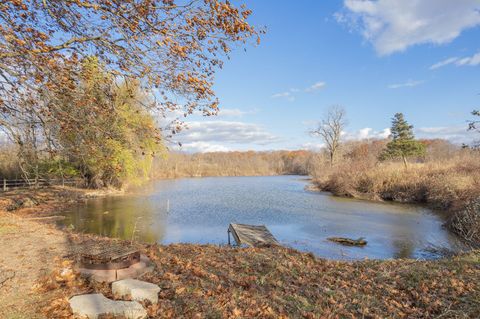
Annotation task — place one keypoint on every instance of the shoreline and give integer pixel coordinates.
(373, 199)
(292, 270)
(227, 175)
(448, 214)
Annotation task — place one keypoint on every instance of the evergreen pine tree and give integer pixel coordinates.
(403, 143)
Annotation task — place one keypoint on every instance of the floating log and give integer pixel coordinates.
(251, 235)
(348, 241)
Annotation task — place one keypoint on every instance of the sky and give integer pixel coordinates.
(373, 58)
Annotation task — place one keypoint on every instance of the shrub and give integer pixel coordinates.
(466, 222)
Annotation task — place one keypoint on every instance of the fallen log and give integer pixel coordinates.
(349, 242)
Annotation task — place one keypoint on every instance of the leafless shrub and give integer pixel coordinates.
(466, 222)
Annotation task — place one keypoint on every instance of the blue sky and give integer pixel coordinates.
(374, 58)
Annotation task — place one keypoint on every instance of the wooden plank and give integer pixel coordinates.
(252, 235)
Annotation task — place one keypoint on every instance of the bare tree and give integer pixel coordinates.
(330, 130)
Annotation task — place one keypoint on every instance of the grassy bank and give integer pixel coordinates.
(220, 282)
(447, 182)
(205, 281)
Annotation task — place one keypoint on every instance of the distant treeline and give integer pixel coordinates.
(175, 164)
(251, 163)
(248, 163)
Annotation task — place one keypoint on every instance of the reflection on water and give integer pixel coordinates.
(199, 211)
(126, 218)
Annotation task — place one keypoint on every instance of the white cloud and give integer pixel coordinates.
(409, 83)
(285, 95)
(231, 112)
(315, 87)
(234, 112)
(168, 118)
(394, 25)
(361, 134)
(454, 134)
(205, 136)
(366, 133)
(312, 146)
(282, 94)
(473, 60)
(443, 63)
(203, 147)
(290, 94)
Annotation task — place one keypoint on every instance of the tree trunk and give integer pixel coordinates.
(405, 163)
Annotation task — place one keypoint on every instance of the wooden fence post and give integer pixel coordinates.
(4, 184)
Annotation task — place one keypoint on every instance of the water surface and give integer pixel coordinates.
(198, 210)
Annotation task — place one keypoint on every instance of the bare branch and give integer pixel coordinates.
(330, 130)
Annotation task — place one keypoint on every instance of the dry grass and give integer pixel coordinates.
(445, 183)
(203, 281)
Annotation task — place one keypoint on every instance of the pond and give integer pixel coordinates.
(199, 210)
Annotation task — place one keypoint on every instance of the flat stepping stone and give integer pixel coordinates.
(94, 306)
(135, 290)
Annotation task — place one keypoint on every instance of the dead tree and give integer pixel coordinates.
(330, 130)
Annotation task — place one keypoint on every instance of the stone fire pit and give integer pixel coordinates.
(110, 263)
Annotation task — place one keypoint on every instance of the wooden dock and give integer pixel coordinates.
(251, 235)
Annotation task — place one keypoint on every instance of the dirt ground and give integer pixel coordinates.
(30, 244)
(28, 251)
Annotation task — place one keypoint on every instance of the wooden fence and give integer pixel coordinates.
(8, 184)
